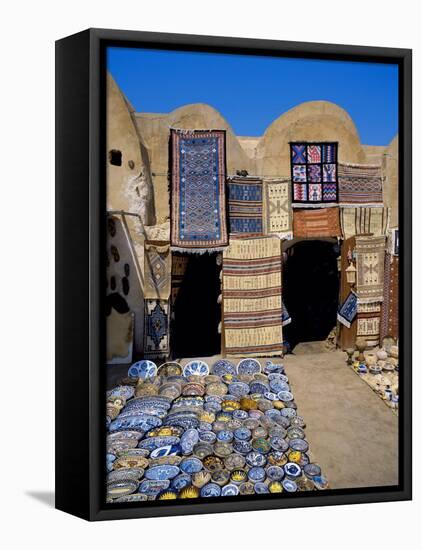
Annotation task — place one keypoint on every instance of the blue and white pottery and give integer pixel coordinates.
(191, 465)
(255, 458)
(299, 445)
(181, 481)
(239, 389)
(159, 473)
(211, 490)
(248, 366)
(279, 444)
(271, 396)
(143, 369)
(207, 436)
(225, 435)
(156, 442)
(197, 368)
(138, 422)
(292, 470)
(189, 439)
(166, 450)
(278, 385)
(261, 488)
(152, 487)
(256, 473)
(289, 485)
(288, 412)
(222, 367)
(240, 414)
(312, 470)
(285, 396)
(121, 392)
(275, 473)
(257, 386)
(242, 447)
(230, 490)
(243, 434)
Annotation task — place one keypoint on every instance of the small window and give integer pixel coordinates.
(115, 157)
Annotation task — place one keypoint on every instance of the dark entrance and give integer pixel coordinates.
(310, 290)
(196, 313)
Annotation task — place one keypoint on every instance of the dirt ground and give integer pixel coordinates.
(351, 433)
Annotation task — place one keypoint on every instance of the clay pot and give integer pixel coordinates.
(382, 354)
(370, 359)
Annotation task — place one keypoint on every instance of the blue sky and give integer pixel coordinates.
(250, 91)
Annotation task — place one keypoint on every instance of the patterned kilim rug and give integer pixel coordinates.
(348, 310)
(370, 253)
(321, 222)
(314, 174)
(359, 221)
(157, 263)
(368, 326)
(245, 205)
(359, 184)
(252, 306)
(390, 306)
(277, 208)
(198, 200)
(156, 328)
(179, 265)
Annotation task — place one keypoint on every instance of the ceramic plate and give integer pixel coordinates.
(222, 367)
(159, 473)
(299, 445)
(248, 366)
(256, 473)
(191, 465)
(142, 422)
(143, 369)
(230, 490)
(120, 488)
(198, 368)
(211, 490)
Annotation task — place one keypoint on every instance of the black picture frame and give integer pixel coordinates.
(80, 267)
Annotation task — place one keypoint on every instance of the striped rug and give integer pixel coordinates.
(245, 205)
(252, 305)
(321, 222)
(359, 184)
(364, 221)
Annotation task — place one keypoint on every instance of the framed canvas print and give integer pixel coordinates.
(233, 274)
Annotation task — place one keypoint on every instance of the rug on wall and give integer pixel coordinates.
(198, 199)
(359, 184)
(390, 305)
(277, 208)
(321, 222)
(369, 327)
(370, 252)
(245, 205)
(361, 220)
(156, 328)
(348, 310)
(314, 174)
(157, 270)
(179, 265)
(252, 304)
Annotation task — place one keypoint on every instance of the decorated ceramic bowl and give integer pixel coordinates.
(248, 366)
(222, 367)
(143, 369)
(198, 368)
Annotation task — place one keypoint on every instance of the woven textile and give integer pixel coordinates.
(179, 265)
(245, 205)
(370, 253)
(277, 208)
(156, 328)
(393, 241)
(157, 263)
(285, 316)
(321, 222)
(198, 207)
(252, 305)
(369, 327)
(314, 174)
(390, 305)
(360, 221)
(348, 310)
(359, 184)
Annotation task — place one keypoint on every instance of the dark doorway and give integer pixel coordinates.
(196, 313)
(310, 290)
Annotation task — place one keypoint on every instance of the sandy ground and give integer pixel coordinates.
(351, 433)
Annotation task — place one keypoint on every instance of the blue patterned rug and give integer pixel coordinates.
(348, 310)
(245, 206)
(198, 201)
(156, 328)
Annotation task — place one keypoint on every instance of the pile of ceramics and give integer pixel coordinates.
(380, 372)
(189, 432)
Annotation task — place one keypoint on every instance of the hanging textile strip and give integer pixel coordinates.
(285, 316)
(277, 208)
(245, 206)
(321, 222)
(156, 328)
(198, 201)
(370, 253)
(157, 263)
(314, 174)
(179, 265)
(359, 184)
(360, 221)
(390, 305)
(369, 327)
(252, 305)
(348, 310)
(393, 241)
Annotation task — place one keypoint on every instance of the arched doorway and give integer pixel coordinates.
(310, 289)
